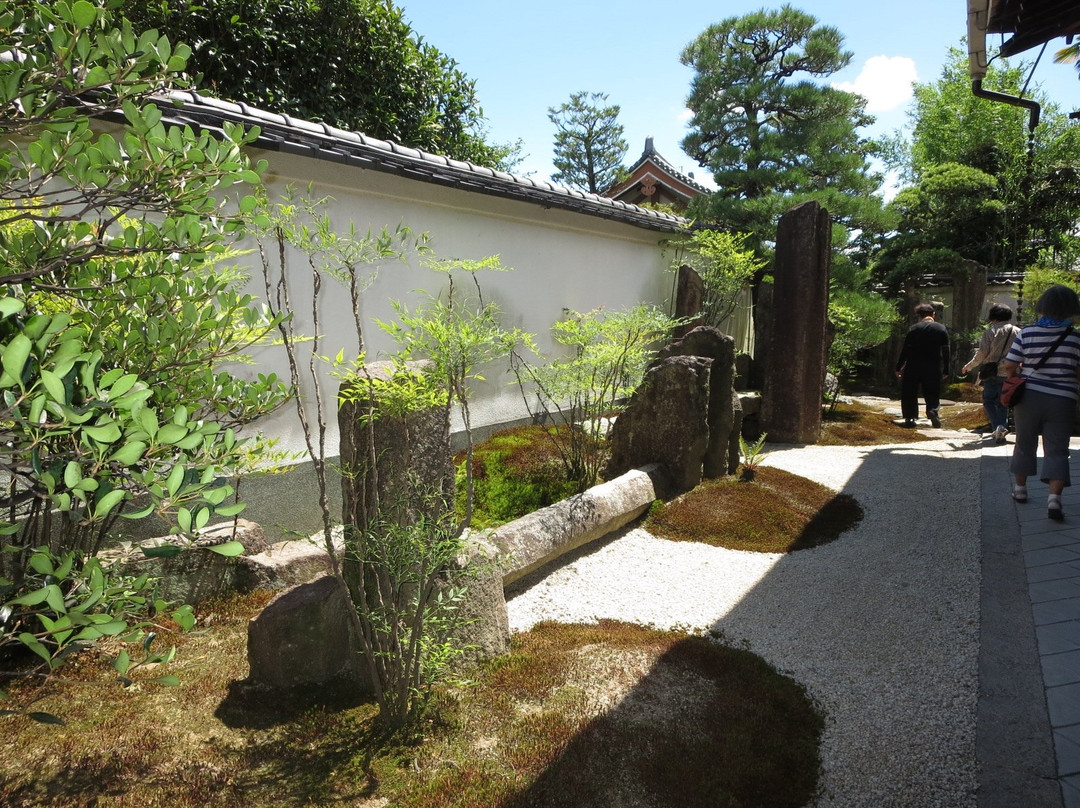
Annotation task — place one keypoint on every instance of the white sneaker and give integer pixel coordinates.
(999, 434)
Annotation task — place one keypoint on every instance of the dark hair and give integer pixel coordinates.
(1000, 313)
(1059, 302)
(924, 310)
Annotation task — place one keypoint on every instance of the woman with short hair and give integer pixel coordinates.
(1048, 407)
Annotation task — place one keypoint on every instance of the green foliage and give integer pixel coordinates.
(396, 568)
(115, 318)
(355, 64)
(407, 610)
(61, 605)
(1040, 278)
(860, 320)
(516, 472)
(769, 131)
(752, 453)
(725, 265)
(589, 144)
(954, 213)
(458, 334)
(1036, 189)
(607, 353)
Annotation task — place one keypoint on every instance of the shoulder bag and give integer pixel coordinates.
(1013, 387)
(988, 370)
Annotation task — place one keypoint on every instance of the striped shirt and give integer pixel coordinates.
(1058, 375)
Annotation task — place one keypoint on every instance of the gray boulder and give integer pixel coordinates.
(666, 423)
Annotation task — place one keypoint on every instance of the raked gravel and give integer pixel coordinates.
(880, 626)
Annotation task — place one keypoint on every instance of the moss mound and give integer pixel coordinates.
(778, 512)
(515, 472)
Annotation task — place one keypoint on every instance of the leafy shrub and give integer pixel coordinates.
(516, 471)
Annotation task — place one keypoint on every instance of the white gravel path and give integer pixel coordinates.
(881, 626)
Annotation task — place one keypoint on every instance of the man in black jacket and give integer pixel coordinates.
(924, 361)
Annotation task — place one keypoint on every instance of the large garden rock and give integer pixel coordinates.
(484, 632)
(396, 468)
(666, 423)
(283, 565)
(798, 338)
(305, 636)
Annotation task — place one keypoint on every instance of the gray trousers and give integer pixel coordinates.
(1052, 417)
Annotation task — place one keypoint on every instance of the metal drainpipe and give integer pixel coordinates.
(1034, 110)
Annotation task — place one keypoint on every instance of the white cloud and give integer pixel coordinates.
(885, 82)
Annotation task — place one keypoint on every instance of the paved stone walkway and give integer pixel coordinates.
(1050, 553)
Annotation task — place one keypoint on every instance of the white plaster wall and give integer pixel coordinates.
(560, 260)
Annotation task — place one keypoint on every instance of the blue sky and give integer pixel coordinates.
(527, 56)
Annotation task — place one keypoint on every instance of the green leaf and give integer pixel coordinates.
(112, 628)
(72, 474)
(175, 479)
(104, 433)
(130, 453)
(231, 510)
(31, 598)
(83, 14)
(55, 598)
(172, 433)
(229, 549)
(54, 385)
(162, 551)
(122, 385)
(31, 642)
(15, 355)
(122, 662)
(106, 504)
(142, 513)
(10, 306)
(41, 563)
(169, 681)
(183, 518)
(149, 422)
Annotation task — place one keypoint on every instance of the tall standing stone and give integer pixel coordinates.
(689, 299)
(795, 365)
(725, 414)
(396, 467)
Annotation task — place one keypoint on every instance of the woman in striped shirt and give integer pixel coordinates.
(1048, 408)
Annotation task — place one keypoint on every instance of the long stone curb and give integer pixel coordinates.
(542, 536)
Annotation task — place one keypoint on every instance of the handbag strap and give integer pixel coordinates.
(1053, 347)
(1006, 343)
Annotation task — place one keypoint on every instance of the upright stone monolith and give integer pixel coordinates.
(689, 299)
(795, 365)
(725, 414)
(397, 468)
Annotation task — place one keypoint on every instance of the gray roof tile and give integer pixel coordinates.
(319, 140)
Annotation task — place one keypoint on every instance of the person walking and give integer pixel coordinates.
(1048, 406)
(923, 362)
(989, 358)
